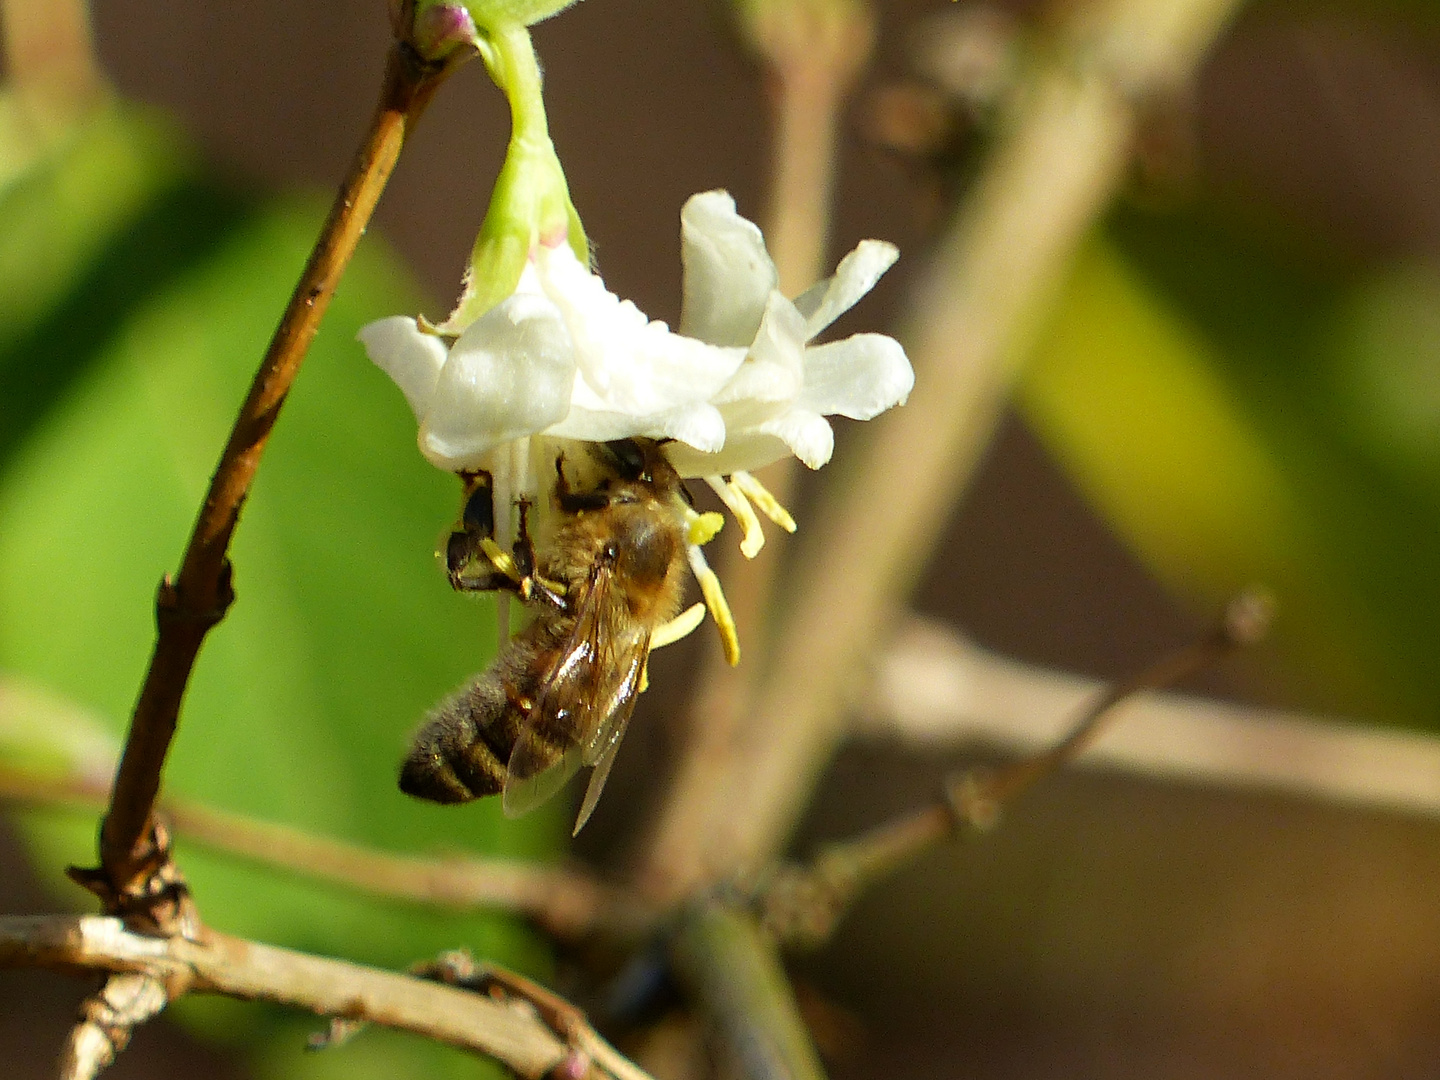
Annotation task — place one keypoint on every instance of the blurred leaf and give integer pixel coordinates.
(1242, 416)
(42, 732)
(345, 630)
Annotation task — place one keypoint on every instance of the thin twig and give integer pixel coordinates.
(1061, 157)
(198, 598)
(250, 971)
(937, 690)
(567, 902)
(802, 904)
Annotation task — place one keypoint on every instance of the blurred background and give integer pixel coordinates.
(1239, 381)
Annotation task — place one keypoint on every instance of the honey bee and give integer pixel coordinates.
(560, 693)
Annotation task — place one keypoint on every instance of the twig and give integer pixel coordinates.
(458, 968)
(567, 902)
(1060, 159)
(106, 1019)
(802, 905)
(250, 971)
(935, 689)
(734, 974)
(197, 599)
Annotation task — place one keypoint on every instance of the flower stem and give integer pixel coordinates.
(531, 201)
(188, 606)
(510, 58)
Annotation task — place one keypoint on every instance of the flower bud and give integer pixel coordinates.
(439, 29)
(496, 13)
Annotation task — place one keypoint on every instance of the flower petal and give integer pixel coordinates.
(699, 426)
(856, 275)
(774, 368)
(859, 377)
(508, 376)
(743, 451)
(628, 363)
(800, 432)
(408, 355)
(728, 273)
(807, 433)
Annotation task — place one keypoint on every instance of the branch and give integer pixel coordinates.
(567, 902)
(508, 1030)
(1062, 156)
(197, 599)
(803, 904)
(933, 688)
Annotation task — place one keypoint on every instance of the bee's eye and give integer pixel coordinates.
(629, 458)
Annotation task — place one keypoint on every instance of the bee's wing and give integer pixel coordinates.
(607, 743)
(585, 703)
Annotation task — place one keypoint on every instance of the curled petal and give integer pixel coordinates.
(728, 272)
(806, 433)
(509, 375)
(408, 355)
(774, 368)
(859, 377)
(856, 275)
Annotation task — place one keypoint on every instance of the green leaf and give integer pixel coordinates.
(345, 630)
(1202, 391)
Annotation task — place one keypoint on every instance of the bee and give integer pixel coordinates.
(560, 693)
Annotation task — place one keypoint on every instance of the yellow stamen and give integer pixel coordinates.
(645, 672)
(715, 601)
(760, 495)
(702, 527)
(681, 626)
(734, 499)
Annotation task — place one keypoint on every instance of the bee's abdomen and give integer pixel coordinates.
(462, 751)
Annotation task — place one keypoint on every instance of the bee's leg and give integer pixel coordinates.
(466, 562)
(531, 585)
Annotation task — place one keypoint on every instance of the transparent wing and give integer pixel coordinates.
(585, 702)
(608, 741)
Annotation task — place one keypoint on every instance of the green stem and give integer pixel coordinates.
(510, 58)
(531, 201)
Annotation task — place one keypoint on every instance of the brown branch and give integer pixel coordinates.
(513, 1033)
(567, 902)
(803, 904)
(107, 1018)
(197, 599)
(1062, 155)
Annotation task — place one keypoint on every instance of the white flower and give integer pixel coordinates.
(737, 388)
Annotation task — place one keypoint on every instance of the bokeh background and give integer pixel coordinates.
(1264, 299)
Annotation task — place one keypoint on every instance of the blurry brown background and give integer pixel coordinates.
(1112, 926)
